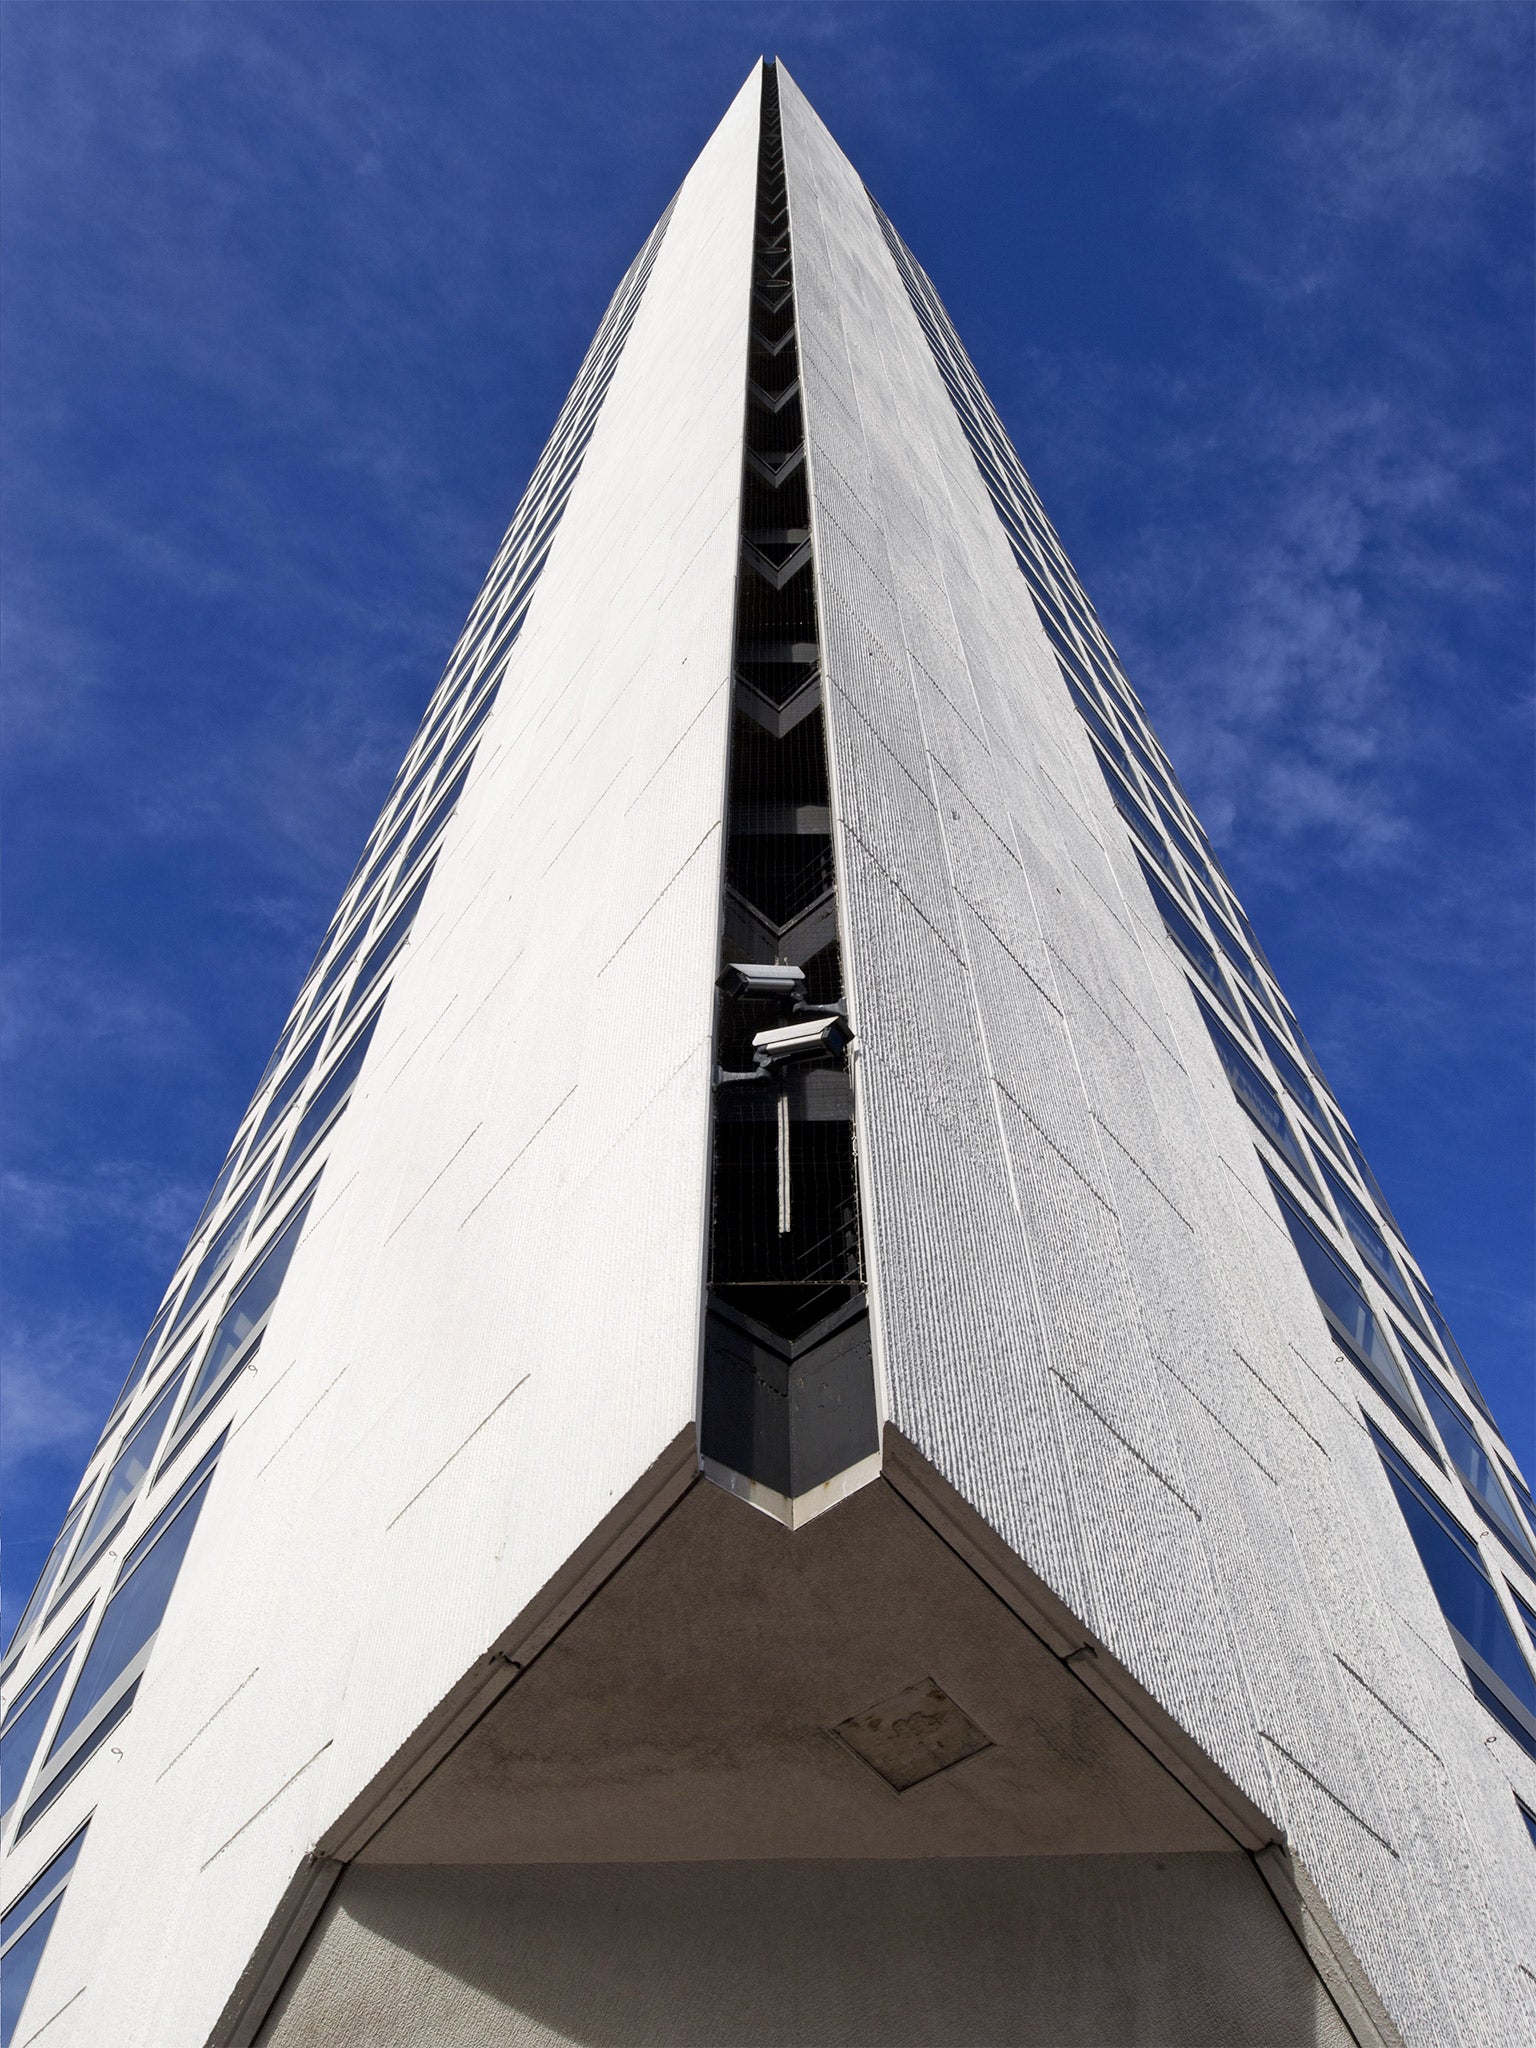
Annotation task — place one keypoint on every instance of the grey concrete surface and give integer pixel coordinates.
(1184, 1951)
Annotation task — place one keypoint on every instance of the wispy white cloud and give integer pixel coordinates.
(1357, 119)
(1271, 594)
(126, 1203)
(61, 1372)
(69, 1009)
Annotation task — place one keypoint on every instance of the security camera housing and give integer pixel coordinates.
(813, 1038)
(777, 981)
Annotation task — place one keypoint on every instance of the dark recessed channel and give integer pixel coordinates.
(788, 1401)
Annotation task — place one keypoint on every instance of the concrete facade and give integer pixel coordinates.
(478, 1714)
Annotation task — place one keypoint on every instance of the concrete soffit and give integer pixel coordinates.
(648, 1519)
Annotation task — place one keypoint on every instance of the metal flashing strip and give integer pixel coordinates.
(794, 1511)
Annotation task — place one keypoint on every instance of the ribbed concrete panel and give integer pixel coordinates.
(491, 1329)
(827, 210)
(1094, 1203)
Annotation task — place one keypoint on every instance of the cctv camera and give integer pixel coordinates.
(778, 982)
(814, 1038)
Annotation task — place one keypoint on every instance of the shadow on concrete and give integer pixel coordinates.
(1185, 1951)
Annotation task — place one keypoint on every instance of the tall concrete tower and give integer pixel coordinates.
(795, 1418)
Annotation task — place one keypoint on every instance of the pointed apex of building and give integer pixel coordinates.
(794, 1397)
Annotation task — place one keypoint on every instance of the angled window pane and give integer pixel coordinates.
(1370, 1244)
(466, 734)
(1466, 1596)
(1529, 1818)
(1520, 1490)
(1362, 1167)
(141, 1363)
(76, 1762)
(192, 1419)
(423, 769)
(1453, 1352)
(216, 1259)
(1137, 818)
(285, 1038)
(42, 1888)
(1470, 1459)
(1298, 1036)
(1186, 846)
(1187, 936)
(293, 1080)
(1156, 770)
(1237, 953)
(136, 1607)
(174, 1505)
(1292, 1073)
(129, 1470)
(338, 918)
(343, 959)
(28, 1719)
(1097, 725)
(442, 809)
(1346, 1307)
(483, 696)
(327, 1100)
(248, 1308)
(1248, 932)
(388, 943)
(48, 1577)
(19, 1967)
(1255, 1094)
(1511, 1718)
(489, 686)
(388, 851)
(225, 1175)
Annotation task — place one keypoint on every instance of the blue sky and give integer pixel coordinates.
(292, 295)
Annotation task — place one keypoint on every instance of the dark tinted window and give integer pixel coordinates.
(1136, 818)
(1470, 1459)
(328, 1098)
(1346, 1307)
(1467, 1600)
(225, 1243)
(24, 1931)
(1187, 936)
(1255, 1094)
(48, 1577)
(138, 1602)
(288, 1087)
(247, 1308)
(387, 945)
(1370, 1243)
(29, 1716)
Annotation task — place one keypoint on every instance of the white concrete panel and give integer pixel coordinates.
(1227, 1528)
(492, 1329)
